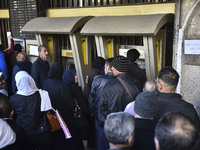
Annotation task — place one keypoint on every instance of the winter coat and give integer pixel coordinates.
(93, 72)
(173, 102)
(96, 91)
(114, 97)
(29, 116)
(61, 99)
(144, 135)
(137, 72)
(39, 71)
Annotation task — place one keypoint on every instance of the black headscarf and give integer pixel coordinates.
(56, 71)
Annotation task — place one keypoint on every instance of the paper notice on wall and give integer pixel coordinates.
(192, 47)
(33, 50)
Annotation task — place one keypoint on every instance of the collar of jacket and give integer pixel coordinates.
(109, 73)
(146, 124)
(169, 95)
(122, 74)
(133, 64)
(41, 60)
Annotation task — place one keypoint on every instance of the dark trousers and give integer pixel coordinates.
(42, 141)
(102, 142)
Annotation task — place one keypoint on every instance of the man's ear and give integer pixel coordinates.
(159, 86)
(157, 144)
(130, 140)
(136, 60)
(12, 112)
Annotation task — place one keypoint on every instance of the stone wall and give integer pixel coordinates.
(190, 81)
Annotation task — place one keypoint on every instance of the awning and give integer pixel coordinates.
(126, 25)
(62, 25)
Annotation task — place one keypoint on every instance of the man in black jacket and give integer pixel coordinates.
(40, 67)
(133, 69)
(115, 97)
(168, 100)
(94, 96)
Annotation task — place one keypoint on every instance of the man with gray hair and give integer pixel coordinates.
(119, 130)
(149, 86)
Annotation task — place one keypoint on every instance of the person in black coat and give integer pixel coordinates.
(96, 69)
(70, 78)
(133, 69)
(114, 96)
(97, 65)
(145, 111)
(30, 106)
(168, 100)
(62, 100)
(22, 65)
(40, 68)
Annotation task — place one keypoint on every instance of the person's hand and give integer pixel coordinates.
(10, 37)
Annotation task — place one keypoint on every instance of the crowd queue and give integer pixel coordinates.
(119, 109)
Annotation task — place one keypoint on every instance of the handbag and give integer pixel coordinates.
(53, 121)
(80, 119)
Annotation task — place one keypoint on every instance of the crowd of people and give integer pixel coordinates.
(119, 109)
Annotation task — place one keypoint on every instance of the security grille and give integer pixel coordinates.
(22, 11)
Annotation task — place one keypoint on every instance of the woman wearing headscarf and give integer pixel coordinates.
(70, 78)
(30, 106)
(62, 100)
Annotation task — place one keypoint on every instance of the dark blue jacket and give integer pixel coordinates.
(3, 66)
(21, 66)
(96, 91)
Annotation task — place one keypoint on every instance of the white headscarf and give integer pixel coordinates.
(26, 86)
(7, 135)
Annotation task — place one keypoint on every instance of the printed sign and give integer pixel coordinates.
(33, 50)
(192, 47)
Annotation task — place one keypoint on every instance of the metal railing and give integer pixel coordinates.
(95, 3)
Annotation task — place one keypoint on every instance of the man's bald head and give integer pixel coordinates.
(21, 56)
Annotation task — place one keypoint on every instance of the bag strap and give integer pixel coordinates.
(125, 87)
